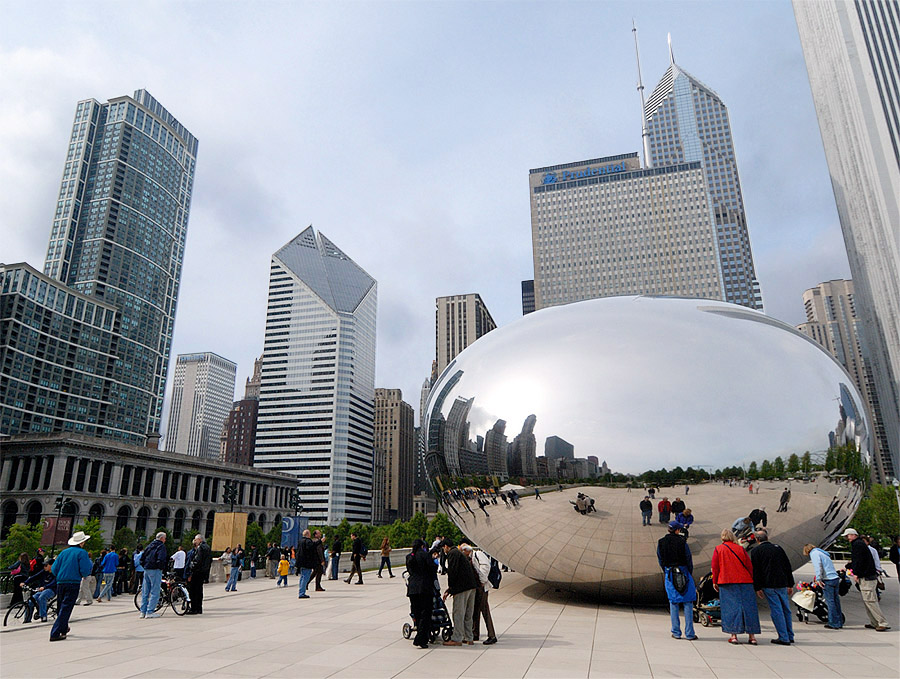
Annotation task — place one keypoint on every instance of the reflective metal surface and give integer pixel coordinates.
(643, 383)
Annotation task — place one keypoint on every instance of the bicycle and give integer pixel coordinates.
(171, 592)
(16, 615)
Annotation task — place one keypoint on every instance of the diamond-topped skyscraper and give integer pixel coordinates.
(688, 122)
(118, 235)
(316, 400)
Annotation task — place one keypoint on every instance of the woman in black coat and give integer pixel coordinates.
(420, 589)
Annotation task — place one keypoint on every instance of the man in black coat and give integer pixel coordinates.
(678, 506)
(773, 578)
(461, 583)
(758, 517)
(201, 560)
(420, 589)
(306, 562)
(319, 541)
(863, 567)
(356, 556)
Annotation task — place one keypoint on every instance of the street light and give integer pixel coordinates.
(295, 502)
(897, 491)
(230, 493)
(60, 501)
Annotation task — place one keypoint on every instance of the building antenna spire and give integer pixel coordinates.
(645, 134)
(671, 53)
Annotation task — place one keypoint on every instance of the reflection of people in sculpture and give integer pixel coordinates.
(537, 493)
(664, 507)
(741, 527)
(685, 519)
(646, 510)
(678, 506)
(785, 499)
(758, 517)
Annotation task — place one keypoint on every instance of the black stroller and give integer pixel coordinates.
(440, 617)
(820, 605)
(706, 607)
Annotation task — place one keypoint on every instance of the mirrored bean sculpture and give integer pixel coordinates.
(632, 384)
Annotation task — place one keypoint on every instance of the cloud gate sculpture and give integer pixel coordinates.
(643, 383)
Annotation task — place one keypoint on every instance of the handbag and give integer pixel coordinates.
(805, 599)
(880, 584)
(679, 579)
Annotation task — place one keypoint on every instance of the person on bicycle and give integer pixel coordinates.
(44, 585)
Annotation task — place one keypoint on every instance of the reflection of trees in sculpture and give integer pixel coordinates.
(495, 446)
(521, 458)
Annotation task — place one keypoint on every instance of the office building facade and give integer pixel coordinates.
(202, 395)
(832, 321)
(606, 227)
(687, 122)
(459, 321)
(527, 297)
(118, 235)
(853, 62)
(239, 432)
(316, 400)
(395, 434)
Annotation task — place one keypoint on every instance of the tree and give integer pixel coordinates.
(255, 537)
(752, 471)
(274, 535)
(877, 513)
(418, 526)
(765, 471)
(778, 467)
(806, 462)
(124, 537)
(92, 528)
(21, 538)
(793, 465)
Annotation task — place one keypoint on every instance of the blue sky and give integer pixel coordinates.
(404, 131)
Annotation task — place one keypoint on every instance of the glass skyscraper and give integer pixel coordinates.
(316, 399)
(118, 236)
(688, 122)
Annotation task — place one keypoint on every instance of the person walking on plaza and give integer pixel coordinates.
(862, 566)
(319, 570)
(70, 567)
(137, 576)
(86, 590)
(284, 567)
(783, 502)
(420, 586)
(198, 573)
(461, 584)
(385, 556)
(97, 572)
(646, 510)
(153, 559)
(356, 555)
(674, 557)
(894, 554)
(482, 564)
(826, 573)
(732, 573)
(665, 509)
(306, 559)
(44, 584)
(337, 546)
(273, 556)
(773, 578)
(254, 558)
(235, 561)
(109, 566)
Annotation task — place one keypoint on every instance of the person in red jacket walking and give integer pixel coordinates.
(733, 579)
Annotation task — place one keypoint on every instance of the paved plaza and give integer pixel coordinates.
(351, 631)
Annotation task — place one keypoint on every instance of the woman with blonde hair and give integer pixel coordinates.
(733, 579)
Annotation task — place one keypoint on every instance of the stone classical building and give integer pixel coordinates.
(127, 485)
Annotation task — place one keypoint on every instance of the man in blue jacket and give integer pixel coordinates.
(70, 566)
(154, 558)
(108, 566)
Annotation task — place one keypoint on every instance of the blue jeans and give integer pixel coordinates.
(67, 593)
(150, 587)
(688, 619)
(106, 591)
(42, 599)
(833, 601)
(646, 517)
(305, 575)
(282, 580)
(252, 569)
(335, 563)
(231, 585)
(780, 609)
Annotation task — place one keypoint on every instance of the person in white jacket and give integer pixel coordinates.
(482, 564)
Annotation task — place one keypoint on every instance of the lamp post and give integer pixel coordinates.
(896, 485)
(295, 502)
(230, 493)
(60, 501)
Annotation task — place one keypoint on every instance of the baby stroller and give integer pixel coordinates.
(706, 607)
(440, 617)
(818, 606)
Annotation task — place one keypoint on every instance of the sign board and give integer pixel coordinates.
(292, 528)
(56, 532)
(229, 530)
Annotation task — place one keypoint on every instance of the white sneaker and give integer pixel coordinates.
(143, 615)
(153, 615)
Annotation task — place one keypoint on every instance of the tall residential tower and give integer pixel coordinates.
(316, 398)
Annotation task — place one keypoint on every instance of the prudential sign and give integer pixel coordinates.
(566, 175)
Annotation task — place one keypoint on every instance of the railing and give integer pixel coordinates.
(6, 582)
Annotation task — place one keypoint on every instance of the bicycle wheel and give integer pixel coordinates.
(163, 599)
(15, 615)
(180, 600)
(137, 599)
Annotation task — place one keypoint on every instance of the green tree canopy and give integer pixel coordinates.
(92, 528)
(753, 470)
(877, 514)
(124, 537)
(778, 467)
(21, 538)
(793, 465)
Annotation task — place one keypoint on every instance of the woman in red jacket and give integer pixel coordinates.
(733, 579)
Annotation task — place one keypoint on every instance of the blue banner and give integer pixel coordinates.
(292, 528)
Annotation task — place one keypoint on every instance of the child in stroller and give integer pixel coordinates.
(706, 607)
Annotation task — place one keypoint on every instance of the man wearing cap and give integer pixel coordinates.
(70, 566)
(672, 552)
(863, 567)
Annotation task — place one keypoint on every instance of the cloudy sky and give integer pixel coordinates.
(404, 132)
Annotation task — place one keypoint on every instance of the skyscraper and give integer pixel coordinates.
(239, 432)
(832, 321)
(394, 433)
(527, 297)
(606, 227)
(118, 235)
(202, 394)
(853, 62)
(459, 321)
(688, 122)
(316, 399)
(495, 449)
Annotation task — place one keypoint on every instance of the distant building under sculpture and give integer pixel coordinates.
(521, 455)
(316, 400)
(852, 52)
(527, 297)
(459, 321)
(556, 448)
(202, 395)
(495, 449)
(831, 320)
(395, 434)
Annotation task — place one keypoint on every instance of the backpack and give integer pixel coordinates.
(494, 576)
(364, 551)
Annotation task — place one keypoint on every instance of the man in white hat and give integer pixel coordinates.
(863, 567)
(69, 568)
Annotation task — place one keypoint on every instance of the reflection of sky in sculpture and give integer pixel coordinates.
(647, 382)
